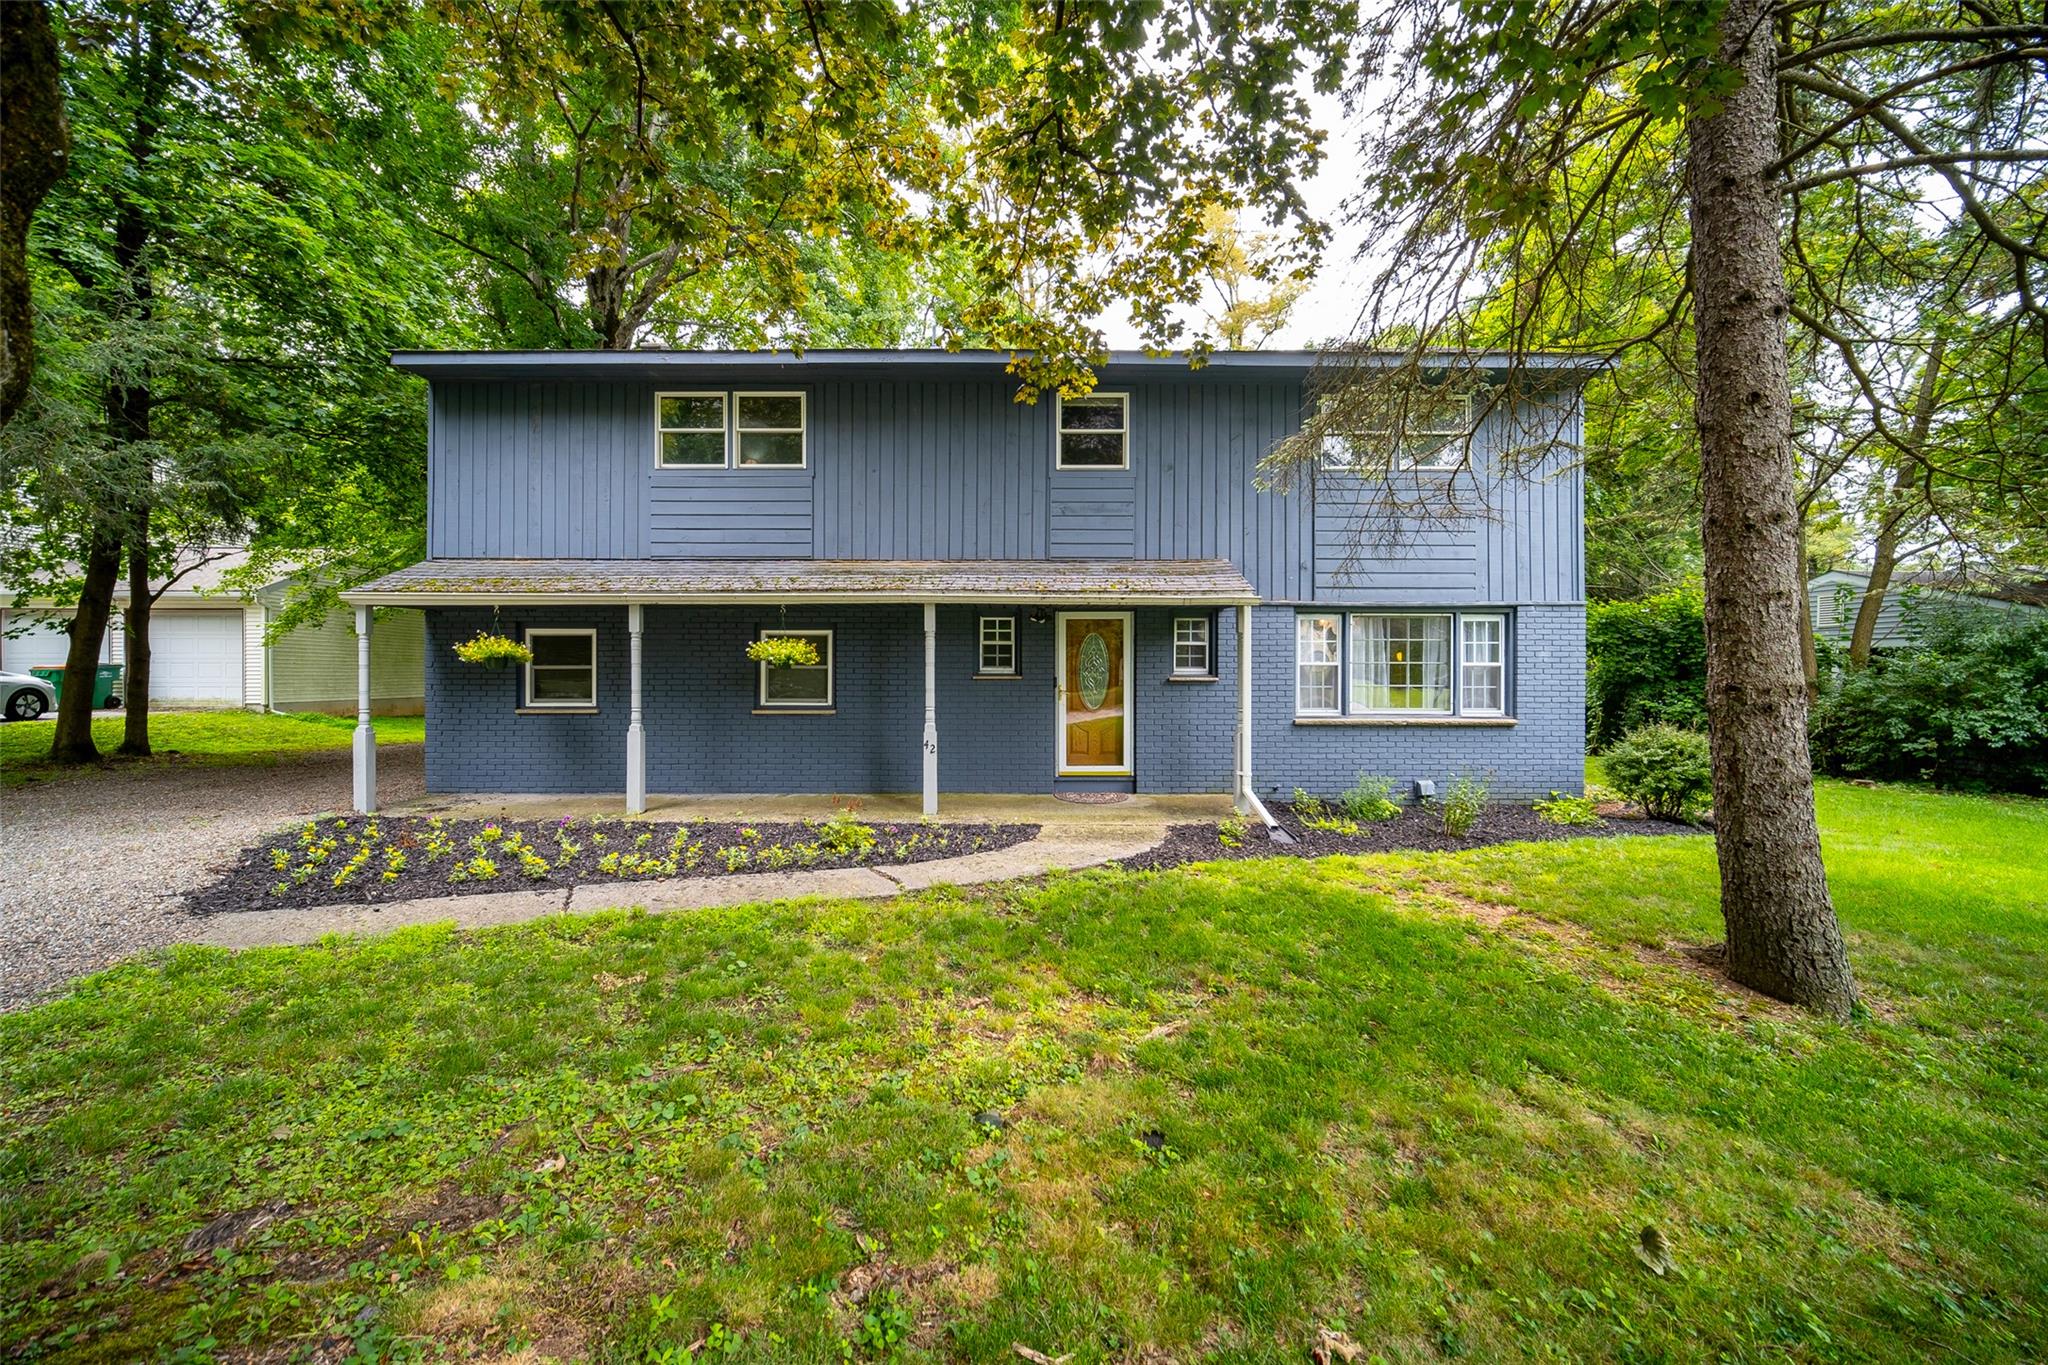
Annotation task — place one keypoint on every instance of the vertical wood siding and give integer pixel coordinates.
(952, 468)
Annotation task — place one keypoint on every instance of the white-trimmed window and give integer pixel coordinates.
(1482, 665)
(1401, 664)
(998, 646)
(1437, 433)
(563, 671)
(1191, 656)
(690, 430)
(1094, 432)
(768, 429)
(806, 686)
(1318, 662)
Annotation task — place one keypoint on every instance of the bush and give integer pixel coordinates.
(1646, 663)
(1370, 799)
(1463, 805)
(1966, 707)
(1313, 814)
(1559, 809)
(844, 835)
(1663, 769)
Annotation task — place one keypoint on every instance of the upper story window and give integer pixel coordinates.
(716, 429)
(1436, 425)
(692, 430)
(770, 427)
(1095, 432)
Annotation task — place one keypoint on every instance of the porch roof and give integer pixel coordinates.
(715, 582)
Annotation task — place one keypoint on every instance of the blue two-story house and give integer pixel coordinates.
(1001, 597)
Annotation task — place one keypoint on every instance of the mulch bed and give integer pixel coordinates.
(1414, 830)
(414, 856)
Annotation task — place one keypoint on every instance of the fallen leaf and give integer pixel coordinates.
(1039, 1357)
(1334, 1346)
(551, 1165)
(1653, 1251)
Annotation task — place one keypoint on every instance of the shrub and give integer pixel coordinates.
(1663, 769)
(1559, 809)
(1463, 805)
(1370, 799)
(844, 835)
(1966, 707)
(1646, 662)
(1232, 830)
(1313, 814)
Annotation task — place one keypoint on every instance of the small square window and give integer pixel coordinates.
(998, 645)
(804, 686)
(563, 671)
(1094, 432)
(690, 430)
(769, 428)
(1191, 647)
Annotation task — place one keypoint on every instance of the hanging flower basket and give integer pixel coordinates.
(784, 651)
(493, 651)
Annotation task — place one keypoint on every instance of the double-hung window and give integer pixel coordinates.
(717, 429)
(801, 686)
(563, 671)
(1318, 664)
(1094, 432)
(1482, 665)
(998, 646)
(1401, 663)
(769, 428)
(690, 430)
(1191, 658)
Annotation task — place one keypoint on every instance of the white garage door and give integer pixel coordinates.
(42, 645)
(195, 656)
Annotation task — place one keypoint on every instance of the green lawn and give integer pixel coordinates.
(219, 737)
(1427, 1101)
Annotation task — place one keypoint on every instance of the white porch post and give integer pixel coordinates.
(931, 708)
(1243, 784)
(636, 735)
(366, 738)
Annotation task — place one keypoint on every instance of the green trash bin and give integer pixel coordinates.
(106, 684)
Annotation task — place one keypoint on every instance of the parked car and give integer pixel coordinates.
(28, 697)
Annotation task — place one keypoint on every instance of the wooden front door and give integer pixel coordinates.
(1094, 692)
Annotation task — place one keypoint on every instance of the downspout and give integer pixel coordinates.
(1248, 799)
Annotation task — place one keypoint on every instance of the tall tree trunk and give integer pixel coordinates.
(1783, 938)
(1809, 655)
(35, 144)
(1884, 557)
(72, 740)
(135, 720)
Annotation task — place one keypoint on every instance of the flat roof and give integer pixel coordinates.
(655, 364)
(733, 582)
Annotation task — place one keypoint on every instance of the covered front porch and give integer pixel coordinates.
(939, 677)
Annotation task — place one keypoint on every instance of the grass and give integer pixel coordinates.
(204, 737)
(1426, 1101)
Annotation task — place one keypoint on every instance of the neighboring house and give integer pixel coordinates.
(1004, 597)
(1835, 596)
(207, 648)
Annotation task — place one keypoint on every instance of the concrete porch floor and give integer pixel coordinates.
(1031, 808)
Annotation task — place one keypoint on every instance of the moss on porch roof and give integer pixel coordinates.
(1159, 581)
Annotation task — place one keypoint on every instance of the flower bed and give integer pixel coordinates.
(367, 859)
(1416, 830)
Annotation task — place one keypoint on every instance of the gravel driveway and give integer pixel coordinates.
(91, 867)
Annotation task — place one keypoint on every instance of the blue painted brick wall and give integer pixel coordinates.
(698, 698)
(1543, 751)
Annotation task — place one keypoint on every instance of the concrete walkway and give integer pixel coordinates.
(1069, 837)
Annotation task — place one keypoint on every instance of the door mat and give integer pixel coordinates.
(1092, 798)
